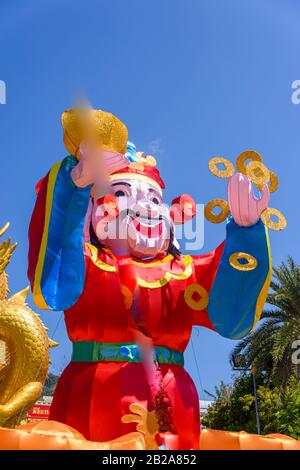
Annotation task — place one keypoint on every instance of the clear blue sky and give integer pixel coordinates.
(191, 78)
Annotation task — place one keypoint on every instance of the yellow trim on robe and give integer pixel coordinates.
(187, 260)
(264, 291)
(109, 267)
(143, 264)
(100, 264)
(37, 293)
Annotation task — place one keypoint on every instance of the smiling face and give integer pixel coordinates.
(143, 226)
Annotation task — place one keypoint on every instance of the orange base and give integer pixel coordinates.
(52, 435)
(224, 440)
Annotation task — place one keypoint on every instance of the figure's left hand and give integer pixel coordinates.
(244, 206)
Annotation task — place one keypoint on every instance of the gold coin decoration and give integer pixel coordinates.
(247, 155)
(274, 182)
(271, 224)
(196, 297)
(228, 170)
(216, 218)
(236, 258)
(258, 173)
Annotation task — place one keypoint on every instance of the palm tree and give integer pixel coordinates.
(270, 348)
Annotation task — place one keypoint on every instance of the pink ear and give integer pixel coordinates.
(183, 209)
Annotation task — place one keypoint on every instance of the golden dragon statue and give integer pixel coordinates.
(24, 348)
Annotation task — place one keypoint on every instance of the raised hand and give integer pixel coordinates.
(95, 166)
(244, 206)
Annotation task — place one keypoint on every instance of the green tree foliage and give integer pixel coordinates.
(271, 346)
(49, 385)
(288, 417)
(234, 407)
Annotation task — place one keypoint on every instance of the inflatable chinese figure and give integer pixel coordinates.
(103, 250)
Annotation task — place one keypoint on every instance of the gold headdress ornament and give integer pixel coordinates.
(98, 126)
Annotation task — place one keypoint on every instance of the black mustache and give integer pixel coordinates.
(137, 214)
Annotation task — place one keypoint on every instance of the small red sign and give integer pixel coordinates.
(38, 412)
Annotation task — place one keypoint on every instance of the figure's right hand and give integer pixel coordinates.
(95, 166)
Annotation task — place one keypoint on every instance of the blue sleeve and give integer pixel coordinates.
(238, 293)
(57, 262)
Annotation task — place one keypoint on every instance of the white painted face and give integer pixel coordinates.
(143, 226)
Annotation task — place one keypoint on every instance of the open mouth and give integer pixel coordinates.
(148, 230)
(147, 225)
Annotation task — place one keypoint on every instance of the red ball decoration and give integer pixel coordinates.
(183, 209)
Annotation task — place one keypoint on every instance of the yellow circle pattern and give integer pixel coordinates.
(247, 155)
(274, 182)
(226, 173)
(199, 290)
(266, 218)
(208, 211)
(235, 259)
(258, 173)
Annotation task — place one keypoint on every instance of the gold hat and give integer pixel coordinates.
(103, 128)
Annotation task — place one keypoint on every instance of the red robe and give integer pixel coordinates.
(93, 397)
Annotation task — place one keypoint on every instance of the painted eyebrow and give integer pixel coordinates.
(121, 182)
(151, 190)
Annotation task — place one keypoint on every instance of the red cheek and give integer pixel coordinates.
(183, 209)
(109, 205)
